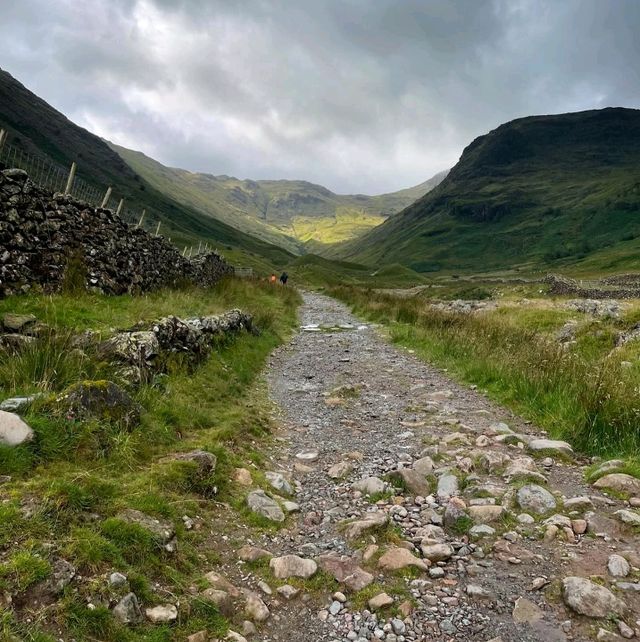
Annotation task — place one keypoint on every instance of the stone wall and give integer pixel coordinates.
(44, 237)
(562, 285)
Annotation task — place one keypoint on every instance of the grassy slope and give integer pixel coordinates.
(539, 191)
(288, 213)
(215, 406)
(39, 129)
(584, 395)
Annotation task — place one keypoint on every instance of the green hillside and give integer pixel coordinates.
(37, 128)
(288, 213)
(536, 192)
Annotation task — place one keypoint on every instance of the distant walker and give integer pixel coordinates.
(284, 277)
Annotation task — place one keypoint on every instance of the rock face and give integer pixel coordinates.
(41, 234)
(592, 600)
(13, 431)
(259, 502)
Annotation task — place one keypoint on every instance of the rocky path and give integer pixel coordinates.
(421, 511)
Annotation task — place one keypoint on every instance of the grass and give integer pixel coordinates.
(74, 502)
(583, 396)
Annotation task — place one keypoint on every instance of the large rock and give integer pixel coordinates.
(279, 482)
(550, 447)
(620, 482)
(345, 570)
(535, 499)
(102, 400)
(205, 460)
(254, 608)
(17, 322)
(592, 600)
(395, 559)
(14, 431)
(163, 531)
(618, 566)
(369, 485)
(412, 480)
(486, 514)
(259, 502)
(371, 521)
(447, 486)
(424, 466)
(127, 611)
(292, 566)
(629, 517)
(162, 614)
(437, 552)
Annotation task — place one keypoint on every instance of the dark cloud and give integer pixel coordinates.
(357, 95)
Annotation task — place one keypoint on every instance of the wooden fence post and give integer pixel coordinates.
(120, 206)
(106, 198)
(141, 218)
(3, 138)
(72, 175)
(158, 229)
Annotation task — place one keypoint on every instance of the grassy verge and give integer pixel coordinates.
(584, 395)
(72, 481)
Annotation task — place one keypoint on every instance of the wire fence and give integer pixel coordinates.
(54, 177)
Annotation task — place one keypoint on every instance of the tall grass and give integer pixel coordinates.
(591, 402)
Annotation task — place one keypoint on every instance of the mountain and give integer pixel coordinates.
(535, 192)
(38, 129)
(285, 212)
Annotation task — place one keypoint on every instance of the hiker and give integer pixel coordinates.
(283, 278)
(273, 278)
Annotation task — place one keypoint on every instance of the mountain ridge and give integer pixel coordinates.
(536, 191)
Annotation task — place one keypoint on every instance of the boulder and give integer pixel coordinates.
(618, 566)
(205, 460)
(447, 486)
(259, 502)
(371, 521)
(550, 447)
(369, 485)
(590, 599)
(292, 566)
(278, 482)
(629, 517)
(127, 611)
(395, 559)
(620, 482)
(252, 553)
(424, 466)
(437, 552)
(535, 499)
(486, 514)
(17, 322)
(102, 400)
(163, 531)
(340, 470)
(13, 430)
(345, 570)
(380, 601)
(162, 614)
(255, 608)
(412, 480)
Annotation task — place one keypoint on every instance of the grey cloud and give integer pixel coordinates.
(357, 95)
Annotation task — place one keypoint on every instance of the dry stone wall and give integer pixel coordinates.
(41, 234)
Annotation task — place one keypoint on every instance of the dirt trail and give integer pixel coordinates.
(467, 506)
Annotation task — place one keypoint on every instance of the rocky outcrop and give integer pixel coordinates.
(45, 237)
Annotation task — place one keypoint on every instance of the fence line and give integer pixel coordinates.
(56, 178)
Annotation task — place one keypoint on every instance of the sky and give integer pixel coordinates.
(362, 96)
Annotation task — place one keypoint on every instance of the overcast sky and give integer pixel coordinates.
(358, 95)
